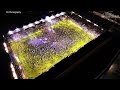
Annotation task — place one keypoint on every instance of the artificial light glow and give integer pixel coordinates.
(80, 16)
(52, 17)
(88, 20)
(57, 15)
(17, 29)
(42, 20)
(36, 22)
(95, 24)
(25, 27)
(102, 16)
(31, 25)
(10, 32)
(5, 46)
(13, 71)
(62, 13)
(112, 67)
(72, 12)
(47, 18)
(17, 59)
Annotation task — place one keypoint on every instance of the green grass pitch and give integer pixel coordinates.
(66, 39)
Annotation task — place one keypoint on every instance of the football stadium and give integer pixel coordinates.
(37, 47)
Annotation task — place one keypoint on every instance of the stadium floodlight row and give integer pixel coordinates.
(47, 18)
